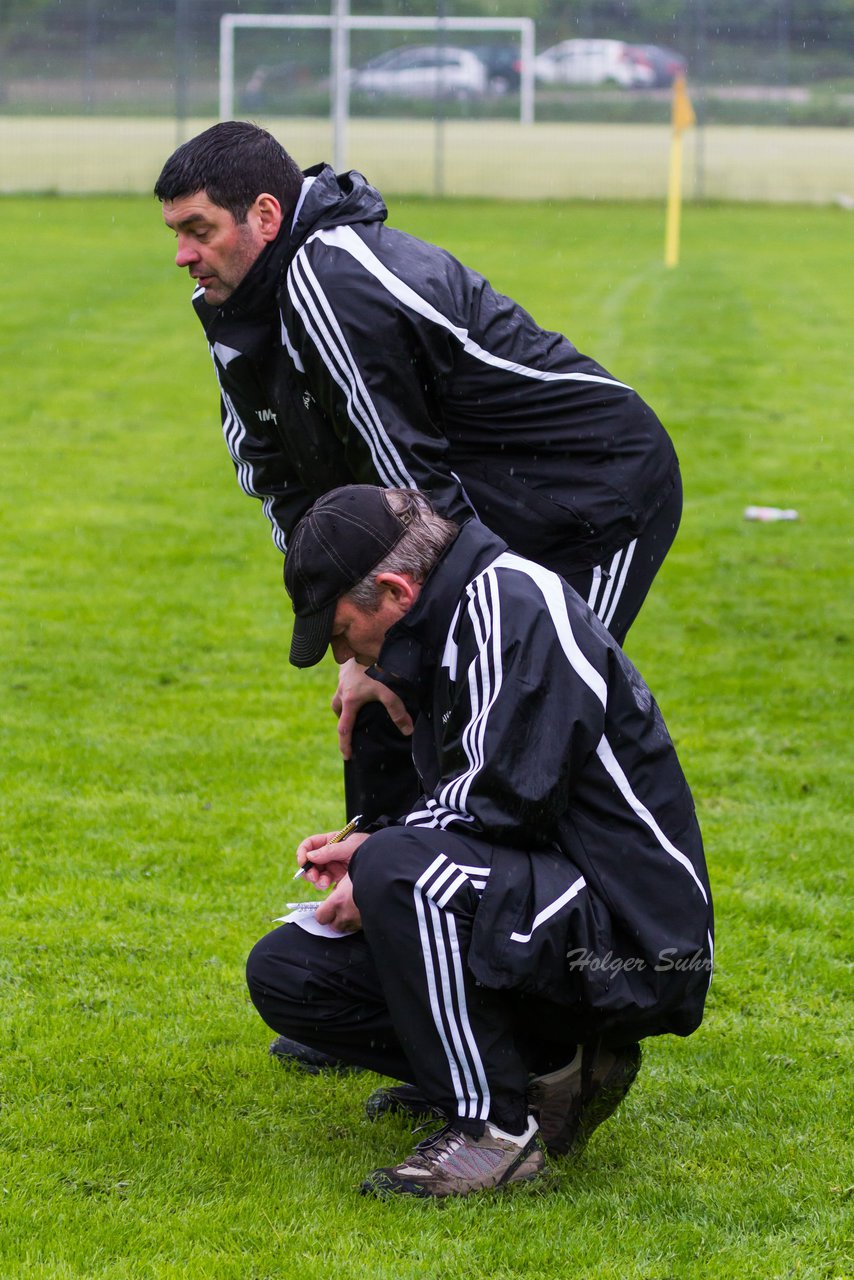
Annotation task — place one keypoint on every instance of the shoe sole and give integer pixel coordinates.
(384, 1186)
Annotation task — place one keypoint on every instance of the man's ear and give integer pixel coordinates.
(400, 588)
(268, 212)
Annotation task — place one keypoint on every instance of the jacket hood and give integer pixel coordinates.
(336, 200)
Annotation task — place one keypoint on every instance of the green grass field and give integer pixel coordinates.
(160, 761)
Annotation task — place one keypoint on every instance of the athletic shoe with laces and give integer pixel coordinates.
(572, 1102)
(312, 1061)
(452, 1163)
(401, 1099)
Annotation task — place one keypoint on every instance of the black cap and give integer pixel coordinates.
(345, 534)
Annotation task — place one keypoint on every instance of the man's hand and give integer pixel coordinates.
(330, 861)
(339, 910)
(354, 690)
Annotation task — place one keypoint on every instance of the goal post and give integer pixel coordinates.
(340, 24)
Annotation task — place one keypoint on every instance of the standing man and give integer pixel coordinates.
(348, 351)
(543, 905)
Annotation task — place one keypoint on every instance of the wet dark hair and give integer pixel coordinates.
(232, 162)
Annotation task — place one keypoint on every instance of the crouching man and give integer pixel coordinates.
(543, 907)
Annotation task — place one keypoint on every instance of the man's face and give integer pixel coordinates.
(359, 634)
(217, 251)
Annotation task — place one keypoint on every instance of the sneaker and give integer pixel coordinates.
(312, 1061)
(451, 1163)
(401, 1099)
(573, 1101)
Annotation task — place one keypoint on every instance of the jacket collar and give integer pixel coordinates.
(414, 646)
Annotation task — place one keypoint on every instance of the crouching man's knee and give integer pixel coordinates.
(275, 968)
(387, 868)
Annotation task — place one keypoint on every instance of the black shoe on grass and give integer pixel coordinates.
(572, 1102)
(312, 1061)
(403, 1100)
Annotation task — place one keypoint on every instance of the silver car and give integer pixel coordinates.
(423, 71)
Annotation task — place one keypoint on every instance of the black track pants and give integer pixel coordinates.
(616, 589)
(398, 997)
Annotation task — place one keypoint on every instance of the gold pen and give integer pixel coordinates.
(345, 831)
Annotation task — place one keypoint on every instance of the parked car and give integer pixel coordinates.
(503, 66)
(423, 71)
(591, 62)
(665, 64)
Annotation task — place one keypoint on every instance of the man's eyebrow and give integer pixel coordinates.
(183, 223)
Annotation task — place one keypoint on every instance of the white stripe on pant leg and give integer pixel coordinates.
(433, 885)
(435, 1009)
(594, 586)
(479, 1099)
(612, 574)
(630, 551)
(472, 1098)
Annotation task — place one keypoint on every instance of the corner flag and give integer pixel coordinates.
(682, 117)
(682, 113)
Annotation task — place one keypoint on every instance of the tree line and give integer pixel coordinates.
(807, 24)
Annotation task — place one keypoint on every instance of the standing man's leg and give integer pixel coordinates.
(379, 778)
(616, 589)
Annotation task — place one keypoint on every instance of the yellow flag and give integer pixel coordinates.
(682, 118)
(682, 113)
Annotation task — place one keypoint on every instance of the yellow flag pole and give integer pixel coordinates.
(682, 116)
(674, 202)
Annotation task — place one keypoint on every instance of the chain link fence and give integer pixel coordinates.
(94, 95)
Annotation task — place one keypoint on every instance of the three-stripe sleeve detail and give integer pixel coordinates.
(484, 679)
(321, 325)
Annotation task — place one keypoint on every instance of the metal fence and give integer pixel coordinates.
(93, 96)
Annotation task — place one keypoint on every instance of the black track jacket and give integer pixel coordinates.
(535, 734)
(355, 353)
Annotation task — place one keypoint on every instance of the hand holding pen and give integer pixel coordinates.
(337, 838)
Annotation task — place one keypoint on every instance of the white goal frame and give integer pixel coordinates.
(340, 24)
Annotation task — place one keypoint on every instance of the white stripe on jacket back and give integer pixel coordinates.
(612, 766)
(552, 588)
(346, 238)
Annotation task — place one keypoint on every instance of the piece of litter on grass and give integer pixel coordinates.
(767, 514)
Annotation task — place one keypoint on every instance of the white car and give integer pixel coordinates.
(423, 71)
(592, 62)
